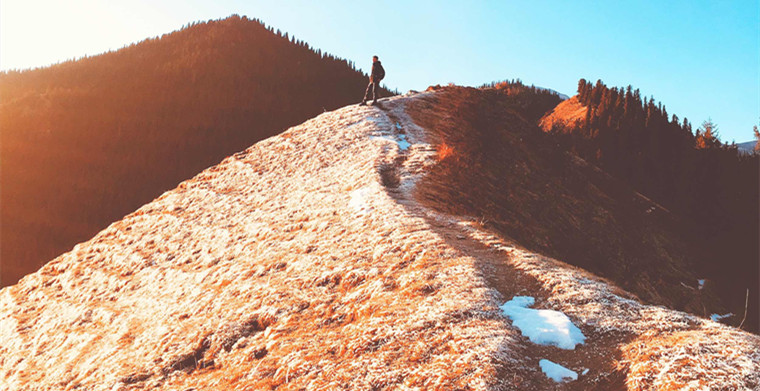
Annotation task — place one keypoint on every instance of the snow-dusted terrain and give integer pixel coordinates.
(306, 262)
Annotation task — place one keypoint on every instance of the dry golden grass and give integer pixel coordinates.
(693, 360)
(445, 151)
(288, 265)
(565, 116)
(305, 262)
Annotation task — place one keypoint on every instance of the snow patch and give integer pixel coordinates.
(359, 198)
(402, 143)
(718, 318)
(543, 327)
(557, 372)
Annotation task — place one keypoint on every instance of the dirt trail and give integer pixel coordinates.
(598, 355)
(494, 175)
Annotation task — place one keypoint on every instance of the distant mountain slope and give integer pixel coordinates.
(710, 187)
(316, 260)
(503, 169)
(747, 147)
(85, 142)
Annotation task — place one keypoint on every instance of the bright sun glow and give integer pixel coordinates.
(75, 28)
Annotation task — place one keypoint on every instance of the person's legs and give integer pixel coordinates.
(366, 93)
(374, 92)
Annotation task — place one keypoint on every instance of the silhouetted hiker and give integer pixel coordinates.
(377, 74)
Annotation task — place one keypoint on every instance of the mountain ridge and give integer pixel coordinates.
(310, 260)
(120, 128)
(747, 147)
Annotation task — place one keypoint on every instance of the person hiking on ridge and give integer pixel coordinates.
(377, 74)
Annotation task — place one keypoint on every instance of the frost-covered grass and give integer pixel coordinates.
(287, 265)
(668, 349)
(714, 358)
(297, 265)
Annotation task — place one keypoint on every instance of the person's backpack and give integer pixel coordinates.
(380, 72)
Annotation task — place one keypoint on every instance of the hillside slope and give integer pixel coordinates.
(316, 260)
(711, 188)
(566, 115)
(85, 142)
(502, 169)
(747, 147)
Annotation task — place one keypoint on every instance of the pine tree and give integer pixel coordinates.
(583, 90)
(707, 135)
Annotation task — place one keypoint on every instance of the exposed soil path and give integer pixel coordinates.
(597, 357)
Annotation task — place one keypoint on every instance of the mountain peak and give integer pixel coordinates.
(119, 129)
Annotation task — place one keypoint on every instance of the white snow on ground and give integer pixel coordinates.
(718, 318)
(718, 356)
(358, 200)
(271, 234)
(402, 143)
(543, 327)
(557, 372)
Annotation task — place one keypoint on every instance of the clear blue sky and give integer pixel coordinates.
(700, 58)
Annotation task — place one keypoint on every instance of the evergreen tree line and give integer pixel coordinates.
(710, 185)
(84, 142)
(532, 101)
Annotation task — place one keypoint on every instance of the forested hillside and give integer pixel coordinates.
(709, 185)
(84, 142)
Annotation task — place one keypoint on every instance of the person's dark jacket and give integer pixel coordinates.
(378, 73)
